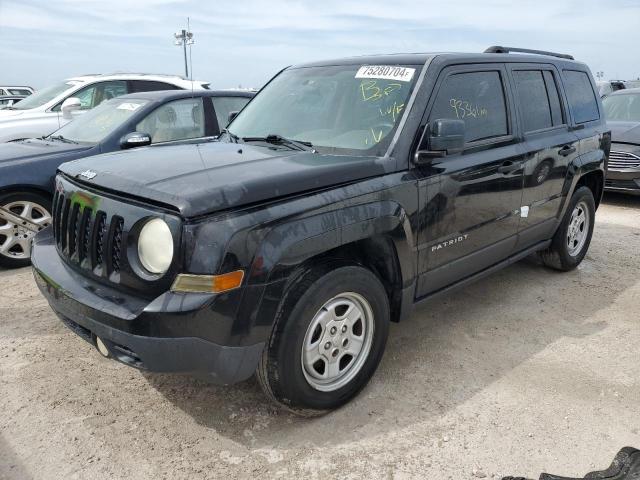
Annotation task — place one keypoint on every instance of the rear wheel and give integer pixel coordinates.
(571, 241)
(15, 238)
(328, 340)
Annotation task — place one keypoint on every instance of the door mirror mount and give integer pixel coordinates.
(135, 139)
(70, 104)
(440, 138)
(231, 116)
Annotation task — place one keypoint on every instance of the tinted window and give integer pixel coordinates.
(19, 91)
(151, 86)
(554, 98)
(582, 99)
(534, 103)
(177, 120)
(478, 99)
(226, 105)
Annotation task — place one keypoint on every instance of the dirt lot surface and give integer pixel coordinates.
(526, 371)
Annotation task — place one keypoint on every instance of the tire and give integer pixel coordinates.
(15, 240)
(306, 316)
(566, 251)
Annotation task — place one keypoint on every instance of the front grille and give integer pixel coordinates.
(88, 237)
(623, 160)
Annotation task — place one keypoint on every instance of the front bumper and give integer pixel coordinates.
(624, 181)
(156, 336)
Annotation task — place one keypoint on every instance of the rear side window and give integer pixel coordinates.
(478, 99)
(582, 98)
(554, 98)
(538, 98)
(150, 86)
(225, 105)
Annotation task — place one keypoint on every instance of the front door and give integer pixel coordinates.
(470, 202)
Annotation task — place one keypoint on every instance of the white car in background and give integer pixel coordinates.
(50, 108)
(16, 90)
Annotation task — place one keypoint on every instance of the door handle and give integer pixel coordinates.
(509, 166)
(566, 150)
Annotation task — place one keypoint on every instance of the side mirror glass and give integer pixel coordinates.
(69, 105)
(135, 139)
(440, 138)
(232, 115)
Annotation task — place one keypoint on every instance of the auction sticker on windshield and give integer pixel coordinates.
(129, 106)
(386, 72)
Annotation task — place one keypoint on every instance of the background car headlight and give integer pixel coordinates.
(155, 246)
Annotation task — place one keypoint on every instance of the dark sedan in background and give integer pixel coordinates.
(28, 167)
(622, 110)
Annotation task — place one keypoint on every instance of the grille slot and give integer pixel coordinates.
(116, 246)
(88, 238)
(622, 160)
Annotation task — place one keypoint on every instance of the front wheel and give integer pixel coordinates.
(573, 237)
(34, 212)
(329, 337)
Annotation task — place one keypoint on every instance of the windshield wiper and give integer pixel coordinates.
(280, 140)
(60, 138)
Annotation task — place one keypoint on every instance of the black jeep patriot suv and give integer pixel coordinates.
(342, 195)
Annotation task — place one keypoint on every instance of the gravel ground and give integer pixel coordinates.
(526, 371)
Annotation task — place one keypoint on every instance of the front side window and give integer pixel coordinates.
(622, 107)
(347, 109)
(177, 120)
(225, 105)
(582, 98)
(95, 125)
(43, 96)
(478, 99)
(93, 95)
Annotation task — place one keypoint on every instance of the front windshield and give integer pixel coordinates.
(96, 124)
(351, 109)
(43, 96)
(624, 108)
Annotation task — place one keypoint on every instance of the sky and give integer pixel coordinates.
(245, 42)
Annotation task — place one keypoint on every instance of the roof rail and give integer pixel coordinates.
(497, 49)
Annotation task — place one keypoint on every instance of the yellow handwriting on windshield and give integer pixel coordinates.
(393, 110)
(372, 91)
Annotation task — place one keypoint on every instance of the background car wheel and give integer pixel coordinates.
(15, 239)
(571, 241)
(328, 339)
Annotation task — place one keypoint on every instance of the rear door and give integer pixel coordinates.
(550, 147)
(470, 202)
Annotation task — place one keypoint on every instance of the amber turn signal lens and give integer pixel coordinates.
(207, 283)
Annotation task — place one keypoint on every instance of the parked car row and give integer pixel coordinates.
(52, 107)
(339, 197)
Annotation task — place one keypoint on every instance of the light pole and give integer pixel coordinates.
(184, 38)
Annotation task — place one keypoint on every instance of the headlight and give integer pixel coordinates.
(155, 246)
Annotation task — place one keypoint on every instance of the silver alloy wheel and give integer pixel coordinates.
(578, 229)
(337, 342)
(15, 240)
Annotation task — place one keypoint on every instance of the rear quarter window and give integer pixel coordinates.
(478, 99)
(582, 98)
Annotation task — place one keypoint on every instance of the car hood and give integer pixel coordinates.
(33, 149)
(625, 132)
(203, 178)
